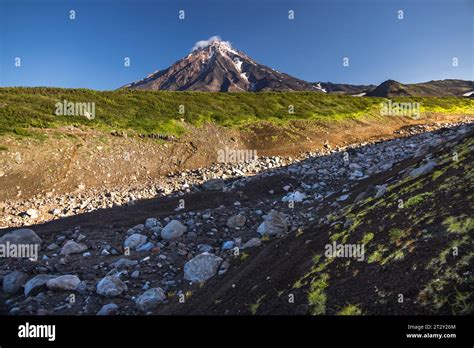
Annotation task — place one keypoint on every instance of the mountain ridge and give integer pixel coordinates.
(218, 67)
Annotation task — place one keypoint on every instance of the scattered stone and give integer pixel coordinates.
(294, 197)
(201, 267)
(254, 242)
(151, 222)
(174, 229)
(150, 299)
(275, 223)
(223, 268)
(424, 169)
(134, 241)
(342, 198)
(36, 284)
(236, 221)
(213, 185)
(146, 247)
(230, 244)
(21, 236)
(111, 286)
(71, 247)
(32, 213)
(13, 282)
(52, 246)
(136, 229)
(64, 282)
(108, 309)
(124, 263)
(381, 189)
(204, 248)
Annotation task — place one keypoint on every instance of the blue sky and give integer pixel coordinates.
(89, 51)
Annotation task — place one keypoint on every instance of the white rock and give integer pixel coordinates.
(294, 197)
(32, 213)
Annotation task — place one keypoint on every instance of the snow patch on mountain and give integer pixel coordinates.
(318, 86)
(238, 64)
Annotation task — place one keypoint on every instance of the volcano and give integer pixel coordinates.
(218, 67)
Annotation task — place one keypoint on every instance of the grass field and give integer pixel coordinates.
(24, 109)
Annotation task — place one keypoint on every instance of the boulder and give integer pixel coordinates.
(13, 282)
(21, 236)
(424, 169)
(201, 267)
(236, 221)
(65, 282)
(251, 243)
(71, 247)
(296, 196)
(274, 224)
(108, 309)
(135, 241)
(124, 263)
(36, 284)
(111, 286)
(151, 222)
(150, 299)
(174, 229)
(213, 185)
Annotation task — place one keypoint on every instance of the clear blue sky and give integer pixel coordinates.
(89, 51)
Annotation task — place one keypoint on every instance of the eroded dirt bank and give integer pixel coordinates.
(71, 159)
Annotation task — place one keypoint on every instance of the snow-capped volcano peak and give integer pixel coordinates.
(214, 65)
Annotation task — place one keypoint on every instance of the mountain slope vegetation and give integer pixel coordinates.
(24, 109)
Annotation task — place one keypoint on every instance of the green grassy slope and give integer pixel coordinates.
(23, 109)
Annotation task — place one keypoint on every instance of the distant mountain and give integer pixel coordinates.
(343, 88)
(218, 67)
(440, 88)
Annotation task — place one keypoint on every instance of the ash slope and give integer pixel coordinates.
(410, 250)
(220, 68)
